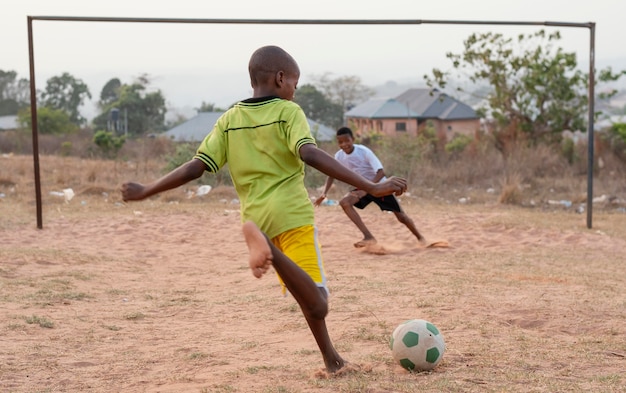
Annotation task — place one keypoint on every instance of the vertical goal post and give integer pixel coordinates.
(33, 91)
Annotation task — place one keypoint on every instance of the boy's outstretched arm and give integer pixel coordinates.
(327, 164)
(191, 170)
(320, 199)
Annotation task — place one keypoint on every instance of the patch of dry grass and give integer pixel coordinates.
(536, 307)
(543, 313)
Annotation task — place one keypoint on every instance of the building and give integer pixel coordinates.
(8, 123)
(411, 112)
(196, 128)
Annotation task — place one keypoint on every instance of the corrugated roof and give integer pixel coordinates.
(321, 132)
(381, 108)
(414, 103)
(196, 128)
(419, 100)
(431, 103)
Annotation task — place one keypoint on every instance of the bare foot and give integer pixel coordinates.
(335, 366)
(375, 249)
(364, 243)
(345, 369)
(260, 251)
(438, 244)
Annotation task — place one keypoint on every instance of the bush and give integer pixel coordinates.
(49, 121)
(457, 144)
(184, 152)
(109, 143)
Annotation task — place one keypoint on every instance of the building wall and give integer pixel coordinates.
(445, 128)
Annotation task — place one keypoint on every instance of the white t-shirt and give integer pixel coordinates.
(362, 161)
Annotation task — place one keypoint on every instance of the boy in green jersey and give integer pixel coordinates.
(266, 142)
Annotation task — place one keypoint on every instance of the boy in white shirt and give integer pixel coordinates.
(363, 161)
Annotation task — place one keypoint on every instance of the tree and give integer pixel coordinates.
(14, 93)
(209, 107)
(346, 91)
(49, 121)
(143, 111)
(66, 93)
(318, 107)
(110, 92)
(536, 91)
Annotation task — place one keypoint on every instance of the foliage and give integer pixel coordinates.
(109, 143)
(617, 140)
(318, 107)
(326, 98)
(185, 152)
(568, 150)
(66, 148)
(619, 130)
(347, 91)
(143, 111)
(66, 93)
(14, 93)
(49, 121)
(110, 92)
(607, 75)
(536, 90)
(209, 107)
(458, 143)
(428, 141)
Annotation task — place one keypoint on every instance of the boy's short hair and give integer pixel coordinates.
(345, 131)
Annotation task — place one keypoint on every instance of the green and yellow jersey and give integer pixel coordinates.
(260, 140)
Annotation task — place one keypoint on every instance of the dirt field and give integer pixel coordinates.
(157, 297)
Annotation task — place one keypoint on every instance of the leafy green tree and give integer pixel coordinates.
(536, 90)
(110, 92)
(14, 93)
(318, 107)
(66, 93)
(49, 121)
(142, 110)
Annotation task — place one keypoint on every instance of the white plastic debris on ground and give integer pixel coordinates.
(203, 190)
(66, 194)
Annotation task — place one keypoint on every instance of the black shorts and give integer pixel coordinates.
(387, 203)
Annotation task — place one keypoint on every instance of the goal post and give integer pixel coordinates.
(33, 91)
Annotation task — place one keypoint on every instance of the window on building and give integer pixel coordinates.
(400, 126)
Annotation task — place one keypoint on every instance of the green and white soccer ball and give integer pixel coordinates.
(417, 345)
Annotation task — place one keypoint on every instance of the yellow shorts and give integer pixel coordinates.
(302, 246)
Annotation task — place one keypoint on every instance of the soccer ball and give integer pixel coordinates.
(417, 345)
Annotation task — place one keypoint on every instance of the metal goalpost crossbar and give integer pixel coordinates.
(33, 97)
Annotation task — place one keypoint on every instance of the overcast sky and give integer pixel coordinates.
(200, 62)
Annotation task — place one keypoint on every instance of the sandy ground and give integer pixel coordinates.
(155, 297)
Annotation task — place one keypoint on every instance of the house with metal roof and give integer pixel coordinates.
(196, 128)
(411, 112)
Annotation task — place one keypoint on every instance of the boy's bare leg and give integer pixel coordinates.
(347, 204)
(406, 220)
(261, 256)
(312, 300)
(332, 359)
